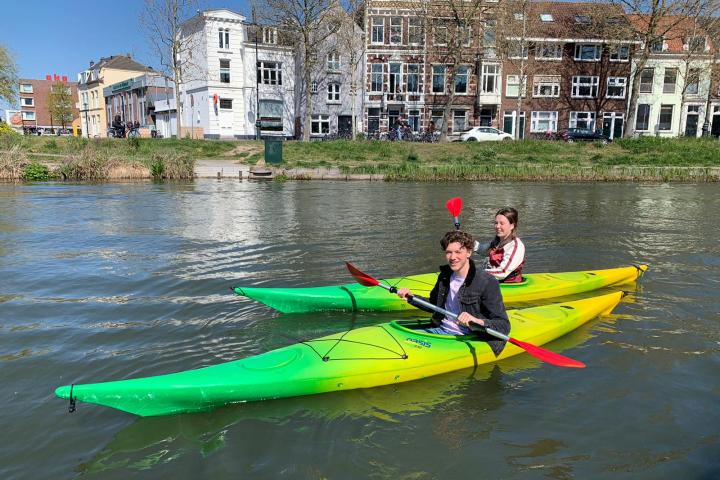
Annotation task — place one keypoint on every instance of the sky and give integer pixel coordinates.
(47, 37)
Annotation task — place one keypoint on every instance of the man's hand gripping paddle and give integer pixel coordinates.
(537, 352)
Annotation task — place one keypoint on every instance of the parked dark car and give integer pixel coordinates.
(571, 135)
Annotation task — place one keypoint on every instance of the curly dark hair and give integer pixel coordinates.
(463, 238)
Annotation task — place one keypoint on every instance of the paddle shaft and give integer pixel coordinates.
(424, 303)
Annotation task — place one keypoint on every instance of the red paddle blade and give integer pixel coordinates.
(548, 356)
(361, 277)
(454, 206)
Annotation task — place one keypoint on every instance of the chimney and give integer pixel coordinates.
(92, 63)
(129, 56)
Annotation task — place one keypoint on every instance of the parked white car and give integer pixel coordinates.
(484, 134)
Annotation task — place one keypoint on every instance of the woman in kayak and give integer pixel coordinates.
(506, 252)
(472, 294)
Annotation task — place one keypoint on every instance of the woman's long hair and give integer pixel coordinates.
(512, 215)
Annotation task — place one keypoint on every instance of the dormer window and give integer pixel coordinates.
(270, 35)
(584, 19)
(546, 17)
(657, 46)
(696, 44)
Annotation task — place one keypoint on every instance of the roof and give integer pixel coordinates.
(121, 62)
(675, 30)
(570, 20)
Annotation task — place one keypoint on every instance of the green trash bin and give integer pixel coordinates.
(273, 150)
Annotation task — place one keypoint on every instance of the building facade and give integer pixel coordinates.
(91, 82)
(236, 86)
(135, 99)
(35, 114)
(337, 84)
(675, 82)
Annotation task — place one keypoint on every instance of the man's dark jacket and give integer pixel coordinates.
(479, 296)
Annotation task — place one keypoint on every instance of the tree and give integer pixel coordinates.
(164, 22)
(712, 27)
(60, 104)
(309, 23)
(454, 44)
(8, 76)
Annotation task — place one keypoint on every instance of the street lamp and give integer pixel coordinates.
(257, 78)
(87, 124)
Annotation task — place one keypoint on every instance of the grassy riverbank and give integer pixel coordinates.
(647, 158)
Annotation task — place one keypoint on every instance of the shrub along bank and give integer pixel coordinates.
(645, 158)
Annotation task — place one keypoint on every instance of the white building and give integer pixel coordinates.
(675, 84)
(224, 71)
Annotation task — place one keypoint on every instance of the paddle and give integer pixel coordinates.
(454, 206)
(537, 352)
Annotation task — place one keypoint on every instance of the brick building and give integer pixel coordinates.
(34, 104)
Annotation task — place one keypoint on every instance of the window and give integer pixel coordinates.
(657, 46)
(489, 33)
(549, 51)
(616, 87)
(26, 88)
(546, 17)
(587, 52)
(376, 78)
(414, 120)
(333, 61)
(459, 120)
(621, 53)
(28, 115)
(413, 78)
(441, 33)
(696, 44)
(512, 89)
(378, 30)
(666, 114)
(320, 125)
(693, 81)
(270, 35)
(269, 73)
(582, 120)
(314, 87)
(584, 19)
(27, 102)
(546, 86)
(642, 122)
(271, 113)
(465, 33)
(543, 122)
(373, 120)
(519, 16)
(669, 80)
(462, 75)
(224, 38)
(646, 80)
(224, 71)
(518, 49)
(438, 78)
(395, 30)
(437, 119)
(333, 93)
(395, 77)
(585, 86)
(415, 31)
(490, 78)
(226, 103)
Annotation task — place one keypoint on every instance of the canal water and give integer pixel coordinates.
(101, 282)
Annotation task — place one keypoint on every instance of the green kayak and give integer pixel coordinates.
(535, 286)
(366, 357)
